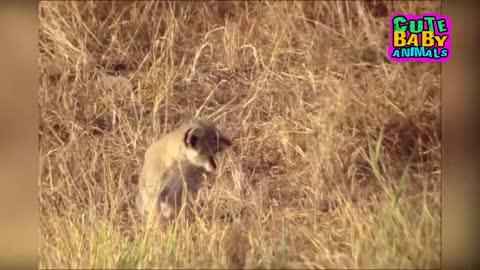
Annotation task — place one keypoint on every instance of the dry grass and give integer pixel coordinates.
(336, 162)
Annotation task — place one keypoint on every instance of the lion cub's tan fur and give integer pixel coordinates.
(175, 163)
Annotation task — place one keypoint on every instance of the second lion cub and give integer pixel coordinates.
(174, 164)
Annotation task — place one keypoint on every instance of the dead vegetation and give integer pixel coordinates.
(336, 156)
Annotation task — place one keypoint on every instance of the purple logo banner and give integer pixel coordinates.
(424, 38)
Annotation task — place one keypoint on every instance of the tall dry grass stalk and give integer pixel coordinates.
(336, 156)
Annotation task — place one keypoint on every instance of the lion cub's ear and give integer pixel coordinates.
(193, 136)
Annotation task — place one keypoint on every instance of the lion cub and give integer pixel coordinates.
(176, 162)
